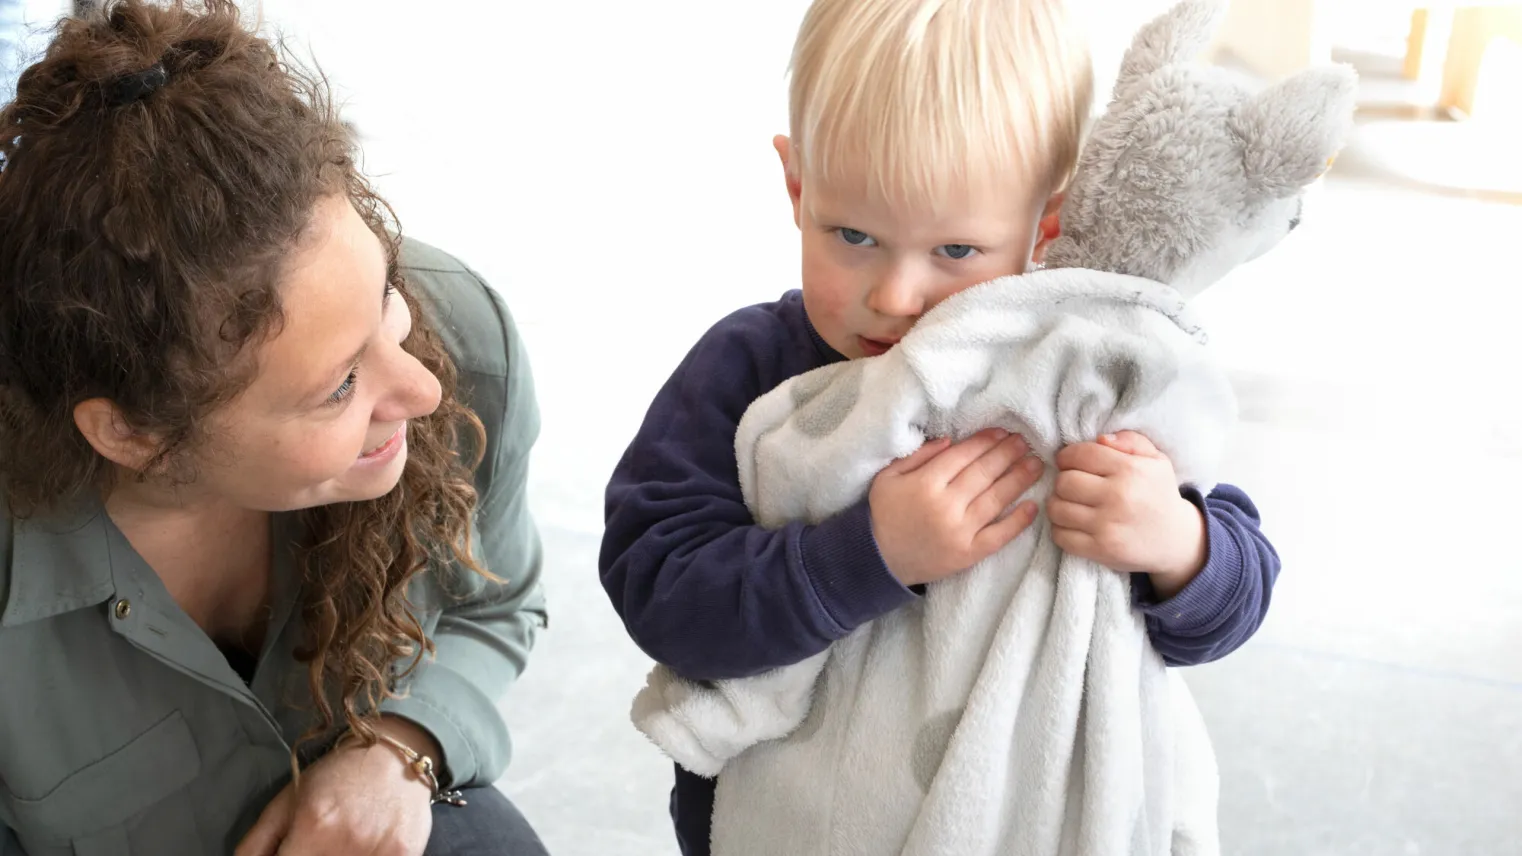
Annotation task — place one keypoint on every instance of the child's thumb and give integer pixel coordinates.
(919, 458)
(1131, 443)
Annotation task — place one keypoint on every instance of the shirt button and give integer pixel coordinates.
(123, 608)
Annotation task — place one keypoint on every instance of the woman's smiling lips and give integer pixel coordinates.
(387, 450)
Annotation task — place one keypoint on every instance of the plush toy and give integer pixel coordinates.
(1018, 709)
(1190, 172)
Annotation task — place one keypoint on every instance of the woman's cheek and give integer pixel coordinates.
(330, 452)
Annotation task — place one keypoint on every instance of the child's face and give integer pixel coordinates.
(871, 270)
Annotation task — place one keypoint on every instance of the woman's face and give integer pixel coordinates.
(325, 419)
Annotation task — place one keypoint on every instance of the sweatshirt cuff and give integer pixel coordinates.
(1207, 599)
(852, 582)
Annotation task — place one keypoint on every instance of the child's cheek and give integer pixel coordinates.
(828, 289)
(828, 308)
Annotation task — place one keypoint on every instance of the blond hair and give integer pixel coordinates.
(917, 98)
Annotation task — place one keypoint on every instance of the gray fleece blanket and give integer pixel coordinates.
(1017, 709)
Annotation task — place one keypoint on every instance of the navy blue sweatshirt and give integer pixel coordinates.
(703, 589)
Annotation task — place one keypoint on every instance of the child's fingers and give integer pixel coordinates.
(1131, 443)
(1074, 541)
(994, 464)
(1081, 487)
(1001, 532)
(1018, 477)
(1071, 515)
(1092, 458)
(919, 457)
(950, 463)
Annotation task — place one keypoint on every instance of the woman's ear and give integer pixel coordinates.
(790, 174)
(106, 430)
(1049, 228)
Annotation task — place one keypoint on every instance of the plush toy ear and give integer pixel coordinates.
(1293, 130)
(1179, 35)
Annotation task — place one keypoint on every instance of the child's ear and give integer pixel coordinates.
(1048, 230)
(784, 148)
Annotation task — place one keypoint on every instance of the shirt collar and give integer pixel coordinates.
(59, 563)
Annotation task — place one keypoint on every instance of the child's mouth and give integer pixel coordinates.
(875, 347)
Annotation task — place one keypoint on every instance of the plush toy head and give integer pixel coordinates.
(1190, 172)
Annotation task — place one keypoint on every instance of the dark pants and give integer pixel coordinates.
(488, 825)
(692, 812)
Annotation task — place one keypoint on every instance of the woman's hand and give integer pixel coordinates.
(355, 800)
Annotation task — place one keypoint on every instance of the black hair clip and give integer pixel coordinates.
(130, 88)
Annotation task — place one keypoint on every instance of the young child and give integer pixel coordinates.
(929, 142)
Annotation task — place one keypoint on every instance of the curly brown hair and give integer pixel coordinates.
(142, 237)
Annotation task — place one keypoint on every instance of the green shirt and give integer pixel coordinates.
(124, 729)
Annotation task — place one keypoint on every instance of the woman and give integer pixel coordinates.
(238, 420)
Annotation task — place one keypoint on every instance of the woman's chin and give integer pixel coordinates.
(377, 485)
(365, 481)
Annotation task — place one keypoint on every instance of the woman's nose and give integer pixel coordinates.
(414, 392)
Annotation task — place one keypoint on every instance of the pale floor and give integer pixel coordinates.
(614, 178)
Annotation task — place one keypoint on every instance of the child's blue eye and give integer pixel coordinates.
(957, 251)
(855, 237)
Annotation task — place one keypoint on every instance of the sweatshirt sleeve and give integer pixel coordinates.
(1224, 605)
(699, 585)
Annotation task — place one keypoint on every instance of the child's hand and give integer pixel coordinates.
(941, 509)
(1117, 502)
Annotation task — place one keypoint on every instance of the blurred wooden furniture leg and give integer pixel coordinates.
(1427, 48)
(1476, 32)
(1416, 44)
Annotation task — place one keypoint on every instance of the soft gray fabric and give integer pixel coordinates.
(1017, 709)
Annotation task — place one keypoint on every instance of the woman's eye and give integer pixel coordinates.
(956, 251)
(855, 237)
(346, 388)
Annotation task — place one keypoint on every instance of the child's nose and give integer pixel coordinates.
(898, 294)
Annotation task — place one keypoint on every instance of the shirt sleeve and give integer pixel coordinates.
(699, 585)
(1224, 605)
(487, 628)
